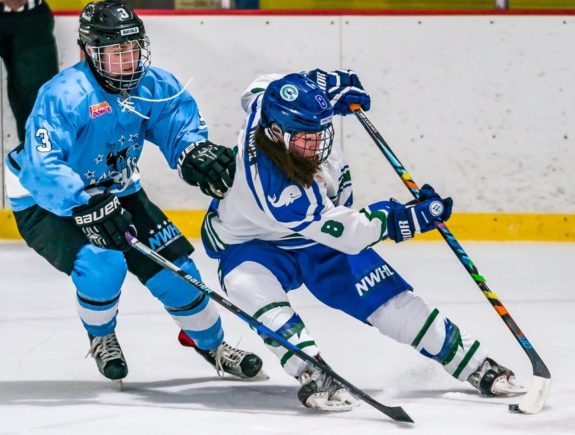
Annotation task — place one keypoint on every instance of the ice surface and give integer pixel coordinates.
(47, 387)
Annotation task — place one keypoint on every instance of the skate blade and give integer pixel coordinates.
(324, 404)
(504, 386)
(118, 384)
(345, 396)
(261, 376)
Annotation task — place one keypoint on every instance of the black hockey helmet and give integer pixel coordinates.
(114, 23)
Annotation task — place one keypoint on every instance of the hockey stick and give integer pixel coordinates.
(395, 412)
(539, 389)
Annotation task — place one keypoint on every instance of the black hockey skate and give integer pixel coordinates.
(109, 357)
(319, 390)
(228, 359)
(492, 379)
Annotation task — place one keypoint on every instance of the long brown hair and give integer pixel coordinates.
(295, 167)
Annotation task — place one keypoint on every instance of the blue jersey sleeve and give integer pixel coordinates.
(176, 122)
(45, 171)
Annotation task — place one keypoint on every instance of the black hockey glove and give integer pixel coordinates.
(104, 222)
(209, 166)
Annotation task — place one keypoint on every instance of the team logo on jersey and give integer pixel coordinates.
(201, 122)
(289, 92)
(288, 195)
(100, 109)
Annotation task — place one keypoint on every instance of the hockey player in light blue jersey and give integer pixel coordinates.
(287, 221)
(74, 185)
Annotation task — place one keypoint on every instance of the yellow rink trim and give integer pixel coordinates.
(465, 226)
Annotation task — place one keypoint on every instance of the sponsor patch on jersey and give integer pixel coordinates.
(100, 109)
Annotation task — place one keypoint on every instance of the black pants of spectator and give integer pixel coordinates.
(28, 48)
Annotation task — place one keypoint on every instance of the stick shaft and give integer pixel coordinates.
(539, 368)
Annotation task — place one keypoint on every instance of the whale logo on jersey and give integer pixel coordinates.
(288, 195)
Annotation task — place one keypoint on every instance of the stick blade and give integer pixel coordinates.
(397, 413)
(535, 398)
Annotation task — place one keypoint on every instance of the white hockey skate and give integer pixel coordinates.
(492, 379)
(319, 390)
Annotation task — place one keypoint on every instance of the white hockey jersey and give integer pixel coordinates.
(264, 204)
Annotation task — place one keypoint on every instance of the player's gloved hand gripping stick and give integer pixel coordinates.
(539, 389)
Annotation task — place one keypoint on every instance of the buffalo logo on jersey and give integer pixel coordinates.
(201, 122)
(100, 109)
(288, 195)
(121, 166)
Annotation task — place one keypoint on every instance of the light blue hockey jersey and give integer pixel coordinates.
(81, 139)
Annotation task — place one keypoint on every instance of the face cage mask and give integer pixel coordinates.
(110, 61)
(314, 146)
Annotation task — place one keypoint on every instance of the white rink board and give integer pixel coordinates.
(482, 107)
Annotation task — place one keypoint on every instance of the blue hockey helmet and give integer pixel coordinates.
(298, 113)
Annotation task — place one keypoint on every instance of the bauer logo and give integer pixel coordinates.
(436, 208)
(289, 92)
(100, 109)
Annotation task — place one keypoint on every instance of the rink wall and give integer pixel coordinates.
(481, 106)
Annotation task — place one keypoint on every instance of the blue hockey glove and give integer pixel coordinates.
(209, 166)
(403, 221)
(343, 88)
(104, 222)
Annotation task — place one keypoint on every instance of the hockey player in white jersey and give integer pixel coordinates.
(74, 185)
(287, 221)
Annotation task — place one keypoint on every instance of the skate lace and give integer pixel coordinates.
(127, 100)
(106, 348)
(226, 356)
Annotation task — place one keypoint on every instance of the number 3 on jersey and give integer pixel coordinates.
(46, 145)
(333, 228)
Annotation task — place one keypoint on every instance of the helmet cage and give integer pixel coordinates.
(110, 62)
(313, 145)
